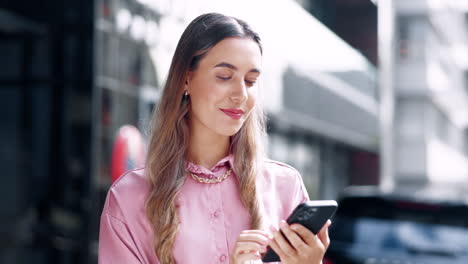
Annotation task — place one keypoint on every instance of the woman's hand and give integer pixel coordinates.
(249, 245)
(305, 247)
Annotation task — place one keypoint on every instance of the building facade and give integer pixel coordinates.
(430, 94)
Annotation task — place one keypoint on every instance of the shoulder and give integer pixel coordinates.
(127, 195)
(273, 167)
(132, 180)
(280, 173)
(284, 182)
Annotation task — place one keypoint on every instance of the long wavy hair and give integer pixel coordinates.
(169, 138)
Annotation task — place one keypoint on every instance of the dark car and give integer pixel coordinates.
(372, 227)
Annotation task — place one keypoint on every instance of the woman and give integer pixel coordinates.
(207, 194)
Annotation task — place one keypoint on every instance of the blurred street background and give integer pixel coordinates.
(357, 93)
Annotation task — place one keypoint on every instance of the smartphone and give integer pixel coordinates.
(311, 214)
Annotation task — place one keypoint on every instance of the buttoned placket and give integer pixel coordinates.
(217, 216)
(216, 211)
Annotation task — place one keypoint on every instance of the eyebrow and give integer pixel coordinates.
(230, 66)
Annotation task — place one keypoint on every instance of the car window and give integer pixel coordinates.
(412, 231)
(398, 234)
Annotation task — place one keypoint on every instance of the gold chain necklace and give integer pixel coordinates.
(215, 180)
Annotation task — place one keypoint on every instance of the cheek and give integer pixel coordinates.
(252, 99)
(206, 100)
(212, 98)
(204, 91)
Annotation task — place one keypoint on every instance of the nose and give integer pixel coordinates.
(239, 92)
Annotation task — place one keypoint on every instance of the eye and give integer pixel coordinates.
(224, 78)
(250, 83)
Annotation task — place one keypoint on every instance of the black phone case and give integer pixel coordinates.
(313, 217)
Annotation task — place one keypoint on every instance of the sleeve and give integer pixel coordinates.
(115, 242)
(300, 194)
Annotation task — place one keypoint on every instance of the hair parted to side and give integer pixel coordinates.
(169, 137)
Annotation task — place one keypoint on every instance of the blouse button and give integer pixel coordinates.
(216, 214)
(222, 258)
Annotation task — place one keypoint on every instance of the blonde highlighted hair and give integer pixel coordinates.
(169, 138)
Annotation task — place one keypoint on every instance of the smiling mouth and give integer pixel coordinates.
(233, 113)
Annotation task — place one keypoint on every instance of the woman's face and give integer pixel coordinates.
(223, 87)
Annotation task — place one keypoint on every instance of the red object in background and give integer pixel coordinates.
(327, 261)
(128, 153)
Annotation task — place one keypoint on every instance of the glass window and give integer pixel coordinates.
(401, 234)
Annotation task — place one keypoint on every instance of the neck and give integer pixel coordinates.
(206, 148)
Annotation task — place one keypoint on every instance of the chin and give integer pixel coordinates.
(229, 132)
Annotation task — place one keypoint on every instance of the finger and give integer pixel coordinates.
(277, 249)
(248, 246)
(254, 237)
(323, 237)
(307, 236)
(256, 231)
(284, 244)
(327, 224)
(242, 247)
(293, 237)
(246, 257)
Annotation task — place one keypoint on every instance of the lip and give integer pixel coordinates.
(234, 113)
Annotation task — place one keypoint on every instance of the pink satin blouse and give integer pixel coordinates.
(211, 215)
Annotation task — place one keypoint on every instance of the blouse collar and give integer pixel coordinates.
(227, 161)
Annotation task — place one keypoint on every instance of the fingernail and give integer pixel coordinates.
(283, 224)
(272, 229)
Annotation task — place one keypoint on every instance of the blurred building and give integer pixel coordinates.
(74, 73)
(431, 99)
(46, 91)
(354, 21)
